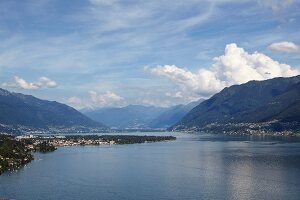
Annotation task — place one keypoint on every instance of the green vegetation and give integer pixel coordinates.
(16, 153)
(13, 153)
(122, 139)
(132, 139)
(44, 147)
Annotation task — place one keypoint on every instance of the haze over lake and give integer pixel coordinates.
(192, 167)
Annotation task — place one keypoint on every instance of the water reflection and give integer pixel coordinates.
(192, 167)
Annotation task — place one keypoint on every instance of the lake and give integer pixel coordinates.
(192, 167)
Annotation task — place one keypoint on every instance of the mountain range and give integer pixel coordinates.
(274, 103)
(138, 116)
(25, 110)
(172, 115)
(275, 99)
(131, 116)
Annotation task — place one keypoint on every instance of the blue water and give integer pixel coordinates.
(192, 167)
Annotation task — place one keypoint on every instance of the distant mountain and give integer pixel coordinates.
(132, 116)
(253, 102)
(172, 115)
(25, 110)
(138, 116)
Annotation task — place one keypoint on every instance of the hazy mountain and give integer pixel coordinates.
(172, 115)
(255, 101)
(132, 116)
(26, 110)
(138, 116)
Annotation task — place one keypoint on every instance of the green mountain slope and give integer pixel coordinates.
(253, 102)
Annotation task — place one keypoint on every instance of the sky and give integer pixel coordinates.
(104, 53)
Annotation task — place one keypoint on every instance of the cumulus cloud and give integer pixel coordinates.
(287, 47)
(47, 82)
(95, 99)
(42, 82)
(236, 66)
(202, 82)
(106, 99)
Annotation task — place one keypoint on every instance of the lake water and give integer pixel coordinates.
(192, 167)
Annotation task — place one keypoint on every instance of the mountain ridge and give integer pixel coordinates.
(131, 116)
(17, 109)
(173, 115)
(245, 104)
(140, 116)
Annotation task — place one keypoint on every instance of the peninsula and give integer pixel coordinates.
(16, 151)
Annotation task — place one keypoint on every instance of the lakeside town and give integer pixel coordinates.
(56, 130)
(16, 151)
(269, 128)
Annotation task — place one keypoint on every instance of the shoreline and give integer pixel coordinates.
(16, 151)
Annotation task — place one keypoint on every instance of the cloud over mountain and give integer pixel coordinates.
(236, 66)
(95, 99)
(106, 99)
(100, 45)
(42, 82)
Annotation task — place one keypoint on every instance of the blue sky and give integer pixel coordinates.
(95, 53)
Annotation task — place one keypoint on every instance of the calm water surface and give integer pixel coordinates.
(192, 167)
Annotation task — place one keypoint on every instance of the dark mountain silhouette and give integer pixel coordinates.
(26, 110)
(255, 101)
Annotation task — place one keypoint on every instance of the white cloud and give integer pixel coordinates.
(175, 95)
(21, 83)
(287, 47)
(45, 81)
(236, 66)
(107, 99)
(203, 82)
(157, 102)
(42, 82)
(94, 100)
(179, 95)
(75, 101)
